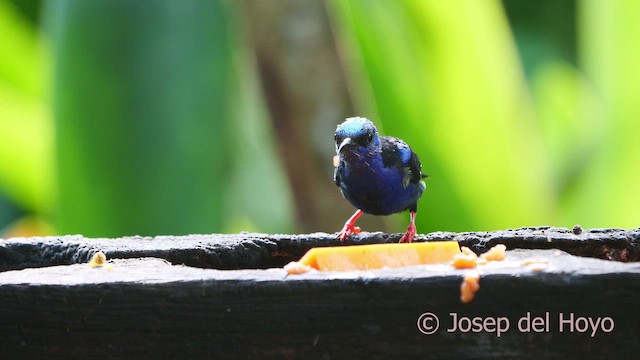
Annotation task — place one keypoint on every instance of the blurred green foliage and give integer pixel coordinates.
(25, 120)
(133, 117)
(455, 83)
(139, 102)
(143, 97)
(504, 151)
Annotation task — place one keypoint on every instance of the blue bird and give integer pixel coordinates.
(379, 175)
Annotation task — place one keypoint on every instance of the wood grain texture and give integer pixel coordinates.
(226, 296)
(251, 250)
(144, 308)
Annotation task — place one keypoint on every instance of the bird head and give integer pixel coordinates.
(356, 133)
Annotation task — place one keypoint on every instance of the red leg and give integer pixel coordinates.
(411, 229)
(349, 227)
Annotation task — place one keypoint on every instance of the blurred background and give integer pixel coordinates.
(122, 117)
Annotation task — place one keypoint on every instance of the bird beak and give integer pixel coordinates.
(344, 143)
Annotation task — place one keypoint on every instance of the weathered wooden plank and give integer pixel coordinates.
(251, 250)
(148, 308)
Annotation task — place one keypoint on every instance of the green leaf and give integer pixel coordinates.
(446, 78)
(142, 122)
(26, 140)
(608, 195)
(20, 55)
(569, 110)
(26, 132)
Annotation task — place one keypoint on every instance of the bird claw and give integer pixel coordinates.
(348, 230)
(409, 235)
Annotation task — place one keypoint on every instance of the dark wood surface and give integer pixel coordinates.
(251, 250)
(144, 304)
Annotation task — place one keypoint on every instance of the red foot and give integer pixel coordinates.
(411, 230)
(409, 235)
(350, 227)
(348, 230)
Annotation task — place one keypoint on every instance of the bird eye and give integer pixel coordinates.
(369, 137)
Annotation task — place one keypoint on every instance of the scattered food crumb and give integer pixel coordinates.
(98, 259)
(548, 239)
(496, 253)
(295, 268)
(467, 259)
(557, 253)
(577, 230)
(470, 285)
(536, 264)
(534, 261)
(538, 267)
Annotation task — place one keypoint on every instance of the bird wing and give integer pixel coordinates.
(336, 175)
(415, 168)
(396, 153)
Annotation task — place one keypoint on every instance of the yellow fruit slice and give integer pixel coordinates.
(377, 256)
